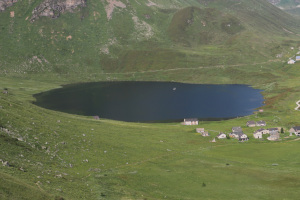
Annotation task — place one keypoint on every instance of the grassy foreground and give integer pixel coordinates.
(53, 155)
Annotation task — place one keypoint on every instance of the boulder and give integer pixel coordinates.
(54, 8)
(6, 3)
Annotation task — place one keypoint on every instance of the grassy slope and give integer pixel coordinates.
(144, 161)
(290, 6)
(153, 161)
(129, 50)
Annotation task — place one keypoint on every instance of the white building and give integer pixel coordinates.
(274, 135)
(222, 136)
(257, 134)
(191, 121)
(291, 62)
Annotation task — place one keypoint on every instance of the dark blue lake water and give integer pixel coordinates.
(153, 101)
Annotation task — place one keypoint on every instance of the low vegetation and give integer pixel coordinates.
(52, 155)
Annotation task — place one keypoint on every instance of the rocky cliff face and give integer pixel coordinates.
(53, 8)
(6, 3)
(276, 2)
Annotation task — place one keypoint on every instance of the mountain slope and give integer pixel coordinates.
(290, 6)
(124, 36)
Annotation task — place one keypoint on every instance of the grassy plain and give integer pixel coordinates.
(67, 156)
(54, 155)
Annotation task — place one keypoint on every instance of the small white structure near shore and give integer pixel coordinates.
(221, 136)
(191, 121)
(291, 62)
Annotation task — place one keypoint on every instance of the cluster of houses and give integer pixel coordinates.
(273, 132)
(237, 132)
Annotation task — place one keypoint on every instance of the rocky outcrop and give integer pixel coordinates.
(54, 8)
(274, 2)
(6, 3)
(292, 2)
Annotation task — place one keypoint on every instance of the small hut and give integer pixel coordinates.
(96, 117)
(190, 121)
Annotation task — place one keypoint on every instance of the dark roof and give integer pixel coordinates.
(241, 133)
(250, 122)
(260, 130)
(221, 134)
(238, 133)
(273, 132)
(273, 129)
(237, 129)
(296, 128)
(261, 122)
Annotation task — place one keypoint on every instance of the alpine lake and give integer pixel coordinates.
(153, 101)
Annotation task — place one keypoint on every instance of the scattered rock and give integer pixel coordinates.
(111, 5)
(95, 169)
(6, 3)
(12, 14)
(54, 8)
(5, 164)
(58, 176)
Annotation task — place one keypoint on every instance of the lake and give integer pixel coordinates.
(153, 101)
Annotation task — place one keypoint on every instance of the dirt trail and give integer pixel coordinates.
(191, 68)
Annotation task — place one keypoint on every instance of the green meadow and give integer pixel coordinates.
(46, 154)
(53, 155)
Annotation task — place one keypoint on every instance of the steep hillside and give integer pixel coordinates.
(113, 36)
(68, 37)
(45, 154)
(290, 6)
